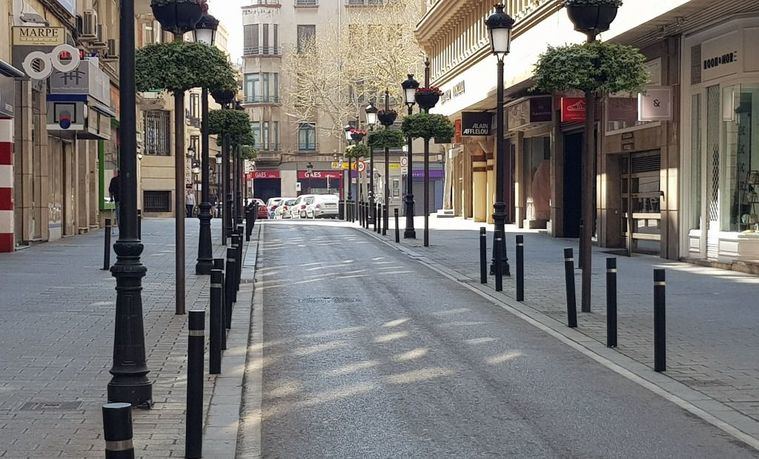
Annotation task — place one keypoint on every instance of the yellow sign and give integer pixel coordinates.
(336, 165)
(394, 166)
(39, 36)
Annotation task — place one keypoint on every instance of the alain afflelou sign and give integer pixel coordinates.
(476, 123)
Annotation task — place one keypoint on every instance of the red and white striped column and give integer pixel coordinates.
(6, 185)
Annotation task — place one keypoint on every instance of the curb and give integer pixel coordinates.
(716, 413)
(223, 417)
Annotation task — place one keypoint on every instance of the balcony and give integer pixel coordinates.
(363, 2)
(306, 3)
(273, 51)
(273, 100)
(307, 147)
(269, 147)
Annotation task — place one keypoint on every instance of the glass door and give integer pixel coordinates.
(641, 200)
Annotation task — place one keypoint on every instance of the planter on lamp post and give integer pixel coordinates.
(592, 17)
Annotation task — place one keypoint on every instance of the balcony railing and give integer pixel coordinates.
(262, 51)
(261, 99)
(307, 147)
(307, 3)
(269, 147)
(363, 2)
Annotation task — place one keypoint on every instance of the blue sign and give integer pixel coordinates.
(70, 5)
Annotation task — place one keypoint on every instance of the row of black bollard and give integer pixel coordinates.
(194, 415)
(397, 226)
(107, 246)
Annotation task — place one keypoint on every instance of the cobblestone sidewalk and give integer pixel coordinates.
(712, 314)
(56, 342)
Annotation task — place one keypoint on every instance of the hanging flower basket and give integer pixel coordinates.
(428, 97)
(387, 117)
(592, 16)
(177, 16)
(224, 96)
(357, 134)
(386, 138)
(427, 126)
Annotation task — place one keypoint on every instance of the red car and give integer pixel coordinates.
(262, 212)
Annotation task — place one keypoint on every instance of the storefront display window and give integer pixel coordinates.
(696, 161)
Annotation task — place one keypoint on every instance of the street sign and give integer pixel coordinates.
(404, 162)
(361, 166)
(297, 186)
(404, 170)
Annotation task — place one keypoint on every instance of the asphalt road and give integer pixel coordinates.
(369, 354)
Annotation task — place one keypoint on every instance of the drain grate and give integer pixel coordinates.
(50, 406)
(328, 300)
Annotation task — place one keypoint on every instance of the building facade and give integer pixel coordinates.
(643, 200)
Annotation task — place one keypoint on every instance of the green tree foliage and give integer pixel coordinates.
(428, 126)
(598, 67)
(386, 138)
(179, 66)
(234, 123)
(356, 151)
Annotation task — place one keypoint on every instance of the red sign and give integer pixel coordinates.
(320, 174)
(263, 175)
(457, 137)
(572, 109)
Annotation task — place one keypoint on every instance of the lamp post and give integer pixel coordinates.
(205, 32)
(218, 182)
(178, 17)
(499, 26)
(129, 383)
(309, 174)
(387, 120)
(224, 97)
(409, 92)
(239, 205)
(348, 140)
(371, 121)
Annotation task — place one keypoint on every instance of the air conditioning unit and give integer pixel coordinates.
(88, 28)
(99, 40)
(112, 53)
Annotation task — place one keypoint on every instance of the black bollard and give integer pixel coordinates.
(378, 219)
(217, 322)
(229, 287)
(611, 302)
(107, 247)
(195, 347)
(483, 255)
(249, 211)
(240, 256)
(218, 263)
(139, 224)
(385, 220)
(117, 431)
(520, 267)
(498, 264)
(569, 275)
(397, 227)
(660, 323)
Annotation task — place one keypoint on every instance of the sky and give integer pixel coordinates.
(229, 13)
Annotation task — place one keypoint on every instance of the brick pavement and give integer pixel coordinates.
(712, 314)
(56, 345)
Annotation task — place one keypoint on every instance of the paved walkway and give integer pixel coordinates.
(56, 342)
(711, 313)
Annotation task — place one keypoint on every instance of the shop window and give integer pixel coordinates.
(695, 170)
(157, 133)
(156, 201)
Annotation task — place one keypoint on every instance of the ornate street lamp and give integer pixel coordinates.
(225, 97)
(129, 383)
(218, 186)
(387, 119)
(178, 17)
(499, 26)
(371, 121)
(205, 32)
(349, 139)
(409, 91)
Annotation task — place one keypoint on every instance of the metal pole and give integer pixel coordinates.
(499, 208)
(569, 276)
(194, 418)
(397, 226)
(498, 264)
(483, 255)
(218, 263)
(139, 224)
(117, 431)
(588, 190)
(224, 199)
(387, 165)
(179, 202)
(107, 246)
(660, 321)
(409, 232)
(385, 211)
(520, 267)
(427, 166)
(229, 286)
(130, 383)
(205, 250)
(216, 322)
(611, 302)
(371, 180)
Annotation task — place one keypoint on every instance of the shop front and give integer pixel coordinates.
(266, 184)
(720, 99)
(320, 182)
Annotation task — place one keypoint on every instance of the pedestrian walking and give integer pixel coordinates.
(190, 202)
(212, 201)
(114, 190)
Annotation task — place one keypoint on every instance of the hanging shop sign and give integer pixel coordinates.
(527, 112)
(39, 36)
(655, 104)
(572, 109)
(457, 133)
(320, 175)
(476, 123)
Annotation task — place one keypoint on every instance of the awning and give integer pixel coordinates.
(10, 71)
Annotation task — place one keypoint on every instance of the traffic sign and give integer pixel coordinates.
(361, 166)
(404, 170)
(404, 161)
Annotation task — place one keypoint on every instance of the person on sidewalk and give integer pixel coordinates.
(190, 203)
(114, 190)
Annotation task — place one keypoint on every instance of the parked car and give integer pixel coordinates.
(298, 210)
(283, 210)
(323, 206)
(262, 212)
(272, 204)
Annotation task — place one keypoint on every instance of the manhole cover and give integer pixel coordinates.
(50, 406)
(328, 300)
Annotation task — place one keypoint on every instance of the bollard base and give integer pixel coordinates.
(137, 391)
